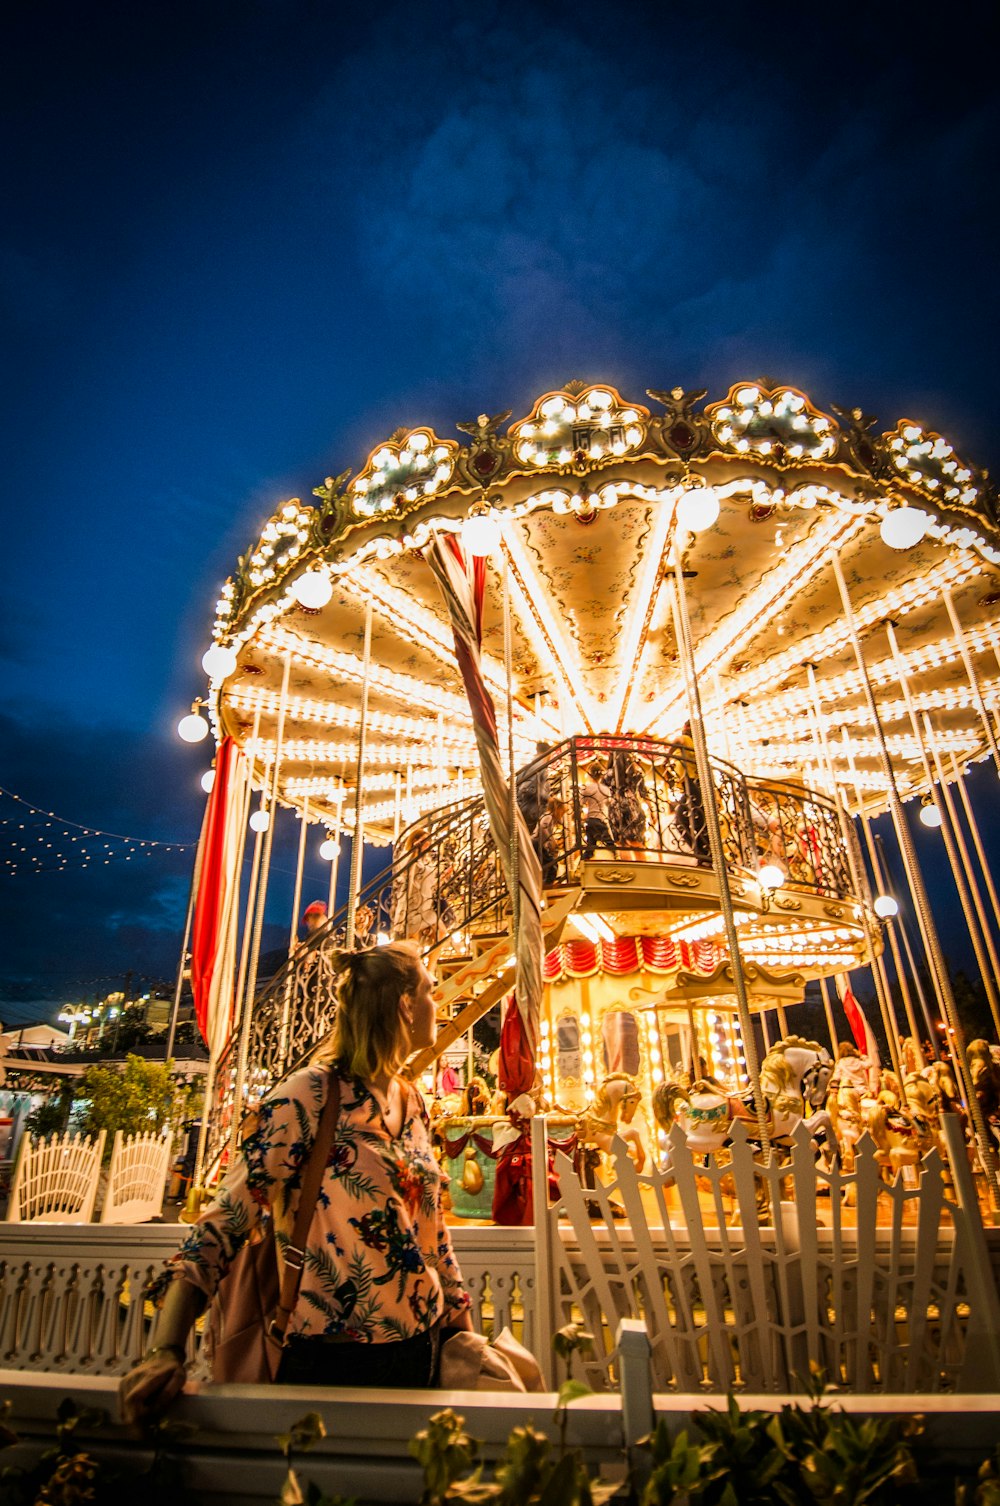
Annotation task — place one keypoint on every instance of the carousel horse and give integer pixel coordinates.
(902, 1137)
(793, 1080)
(851, 1093)
(613, 1105)
(985, 1074)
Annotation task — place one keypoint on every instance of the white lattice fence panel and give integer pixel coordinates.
(55, 1180)
(741, 1286)
(136, 1178)
(78, 1306)
(71, 1299)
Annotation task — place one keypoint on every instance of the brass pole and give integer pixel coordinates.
(970, 670)
(358, 839)
(968, 890)
(828, 1011)
(336, 832)
(950, 830)
(271, 805)
(889, 1023)
(921, 902)
(984, 867)
(293, 930)
(711, 810)
(904, 986)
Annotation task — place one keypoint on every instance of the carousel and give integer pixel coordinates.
(618, 689)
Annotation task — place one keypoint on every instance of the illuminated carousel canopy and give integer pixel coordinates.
(585, 494)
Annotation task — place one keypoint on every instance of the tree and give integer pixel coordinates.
(134, 1099)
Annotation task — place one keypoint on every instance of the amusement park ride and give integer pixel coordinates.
(719, 640)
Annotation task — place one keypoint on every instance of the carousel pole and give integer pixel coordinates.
(925, 1008)
(397, 811)
(965, 883)
(952, 833)
(336, 834)
(921, 901)
(358, 840)
(682, 630)
(293, 930)
(828, 1011)
(693, 1052)
(904, 987)
(970, 670)
(889, 1023)
(984, 867)
(271, 806)
(211, 1076)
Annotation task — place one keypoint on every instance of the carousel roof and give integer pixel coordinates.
(585, 490)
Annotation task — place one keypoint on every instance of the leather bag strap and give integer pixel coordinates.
(293, 1254)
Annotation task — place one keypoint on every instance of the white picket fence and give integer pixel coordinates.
(901, 1299)
(137, 1177)
(892, 1290)
(55, 1179)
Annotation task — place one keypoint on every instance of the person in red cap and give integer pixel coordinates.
(313, 918)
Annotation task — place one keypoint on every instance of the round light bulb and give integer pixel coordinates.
(480, 534)
(697, 509)
(218, 662)
(208, 781)
(903, 527)
(192, 728)
(770, 876)
(329, 849)
(930, 815)
(260, 821)
(886, 907)
(313, 589)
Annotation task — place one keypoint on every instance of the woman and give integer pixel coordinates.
(380, 1284)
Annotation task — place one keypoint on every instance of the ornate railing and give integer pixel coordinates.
(445, 885)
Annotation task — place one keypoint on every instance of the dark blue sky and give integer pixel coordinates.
(242, 243)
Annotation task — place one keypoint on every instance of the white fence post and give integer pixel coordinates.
(634, 1352)
(545, 1266)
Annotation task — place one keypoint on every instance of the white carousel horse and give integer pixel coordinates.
(612, 1107)
(793, 1080)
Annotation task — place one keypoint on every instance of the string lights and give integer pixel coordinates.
(44, 842)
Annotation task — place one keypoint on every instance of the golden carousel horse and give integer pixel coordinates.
(613, 1106)
(793, 1079)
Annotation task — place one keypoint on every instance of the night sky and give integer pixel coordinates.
(240, 244)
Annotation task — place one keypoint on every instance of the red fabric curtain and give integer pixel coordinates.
(208, 908)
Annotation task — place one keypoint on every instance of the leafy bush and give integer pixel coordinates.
(135, 1099)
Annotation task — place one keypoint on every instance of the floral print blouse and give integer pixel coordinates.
(379, 1265)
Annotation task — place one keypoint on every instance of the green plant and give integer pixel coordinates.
(745, 1462)
(135, 1099)
(678, 1467)
(985, 1491)
(567, 1341)
(443, 1450)
(68, 1475)
(52, 1114)
(840, 1459)
(302, 1436)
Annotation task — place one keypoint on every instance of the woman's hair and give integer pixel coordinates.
(369, 1033)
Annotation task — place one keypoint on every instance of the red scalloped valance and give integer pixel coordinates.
(631, 954)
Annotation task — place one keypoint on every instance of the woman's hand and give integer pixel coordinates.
(150, 1386)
